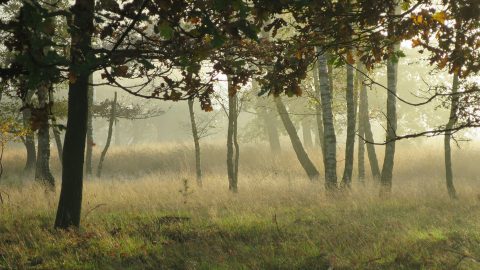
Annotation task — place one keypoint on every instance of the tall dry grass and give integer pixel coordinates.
(276, 203)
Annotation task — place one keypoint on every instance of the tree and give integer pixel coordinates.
(365, 128)
(196, 141)
(302, 155)
(233, 153)
(113, 116)
(41, 123)
(70, 204)
(392, 74)
(90, 143)
(351, 119)
(330, 141)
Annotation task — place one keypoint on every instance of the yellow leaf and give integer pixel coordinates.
(417, 19)
(443, 63)
(298, 55)
(415, 42)
(440, 17)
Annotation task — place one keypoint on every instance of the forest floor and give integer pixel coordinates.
(148, 213)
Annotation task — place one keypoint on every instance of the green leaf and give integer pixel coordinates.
(165, 30)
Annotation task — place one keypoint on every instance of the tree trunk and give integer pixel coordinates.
(30, 135)
(361, 125)
(70, 204)
(318, 109)
(88, 155)
(330, 141)
(448, 154)
(388, 162)
(232, 114)
(351, 119)
(196, 141)
(367, 128)
(56, 131)
(302, 155)
(113, 116)
(42, 169)
(307, 132)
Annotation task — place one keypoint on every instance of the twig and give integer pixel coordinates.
(94, 208)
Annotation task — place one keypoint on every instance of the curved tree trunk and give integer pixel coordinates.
(351, 119)
(42, 169)
(196, 141)
(70, 204)
(302, 155)
(448, 154)
(89, 152)
(330, 140)
(389, 158)
(113, 116)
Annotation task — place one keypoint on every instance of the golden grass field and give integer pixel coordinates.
(147, 213)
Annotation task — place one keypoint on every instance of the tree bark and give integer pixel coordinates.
(42, 169)
(231, 163)
(89, 152)
(302, 155)
(351, 120)
(368, 134)
(361, 125)
(389, 158)
(70, 203)
(113, 116)
(448, 153)
(30, 135)
(318, 109)
(330, 141)
(196, 142)
(56, 131)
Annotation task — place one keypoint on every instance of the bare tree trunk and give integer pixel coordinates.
(318, 109)
(448, 154)
(30, 135)
(56, 131)
(90, 143)
(232, 115)
(302, 155)
(196, 141)
(235, 141)
(42, 169)
(361, 125)
(330, 141)
(351, 119)
(392, 74)
(113, 115)
(70, 204)
(270, 121)
(307, 132)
